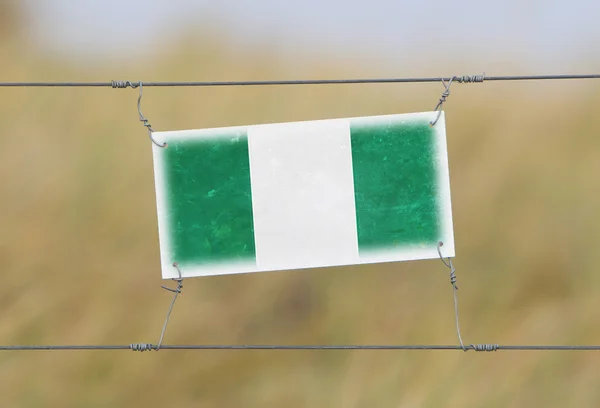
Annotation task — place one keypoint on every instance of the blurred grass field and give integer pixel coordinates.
(80, 260)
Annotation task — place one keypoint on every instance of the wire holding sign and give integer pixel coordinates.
(454, 291)
(176, 292)
(445, 95)
(145, 121)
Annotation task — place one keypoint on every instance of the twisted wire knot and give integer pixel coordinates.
(141, 347)
(449, 265)
(144, 121)
(484, 347)
(147, 124)
(468, 79)
(124, 84)
(453, 277)
(443, 98)
(179, 281)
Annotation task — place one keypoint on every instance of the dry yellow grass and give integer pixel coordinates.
(79, 249)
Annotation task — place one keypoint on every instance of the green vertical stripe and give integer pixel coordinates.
(209, 199)
(394, 183)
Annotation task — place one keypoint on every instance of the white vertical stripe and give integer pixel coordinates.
(303, 195)
(443, 181)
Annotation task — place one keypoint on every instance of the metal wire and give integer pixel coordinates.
(146, 347)
(176, 292)
(145, 122)
(454, 291)
(460, 79)
(443, 99)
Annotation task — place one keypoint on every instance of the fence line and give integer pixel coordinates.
(151, 347)
(445, 80)
(459, 79)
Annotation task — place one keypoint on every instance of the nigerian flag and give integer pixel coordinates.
(303, 194)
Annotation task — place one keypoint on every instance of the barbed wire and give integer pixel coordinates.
(459, 79)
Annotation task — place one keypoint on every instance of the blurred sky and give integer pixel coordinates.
(549, 36)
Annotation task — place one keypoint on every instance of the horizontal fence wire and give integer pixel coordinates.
(460, 79)
(152, 347)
